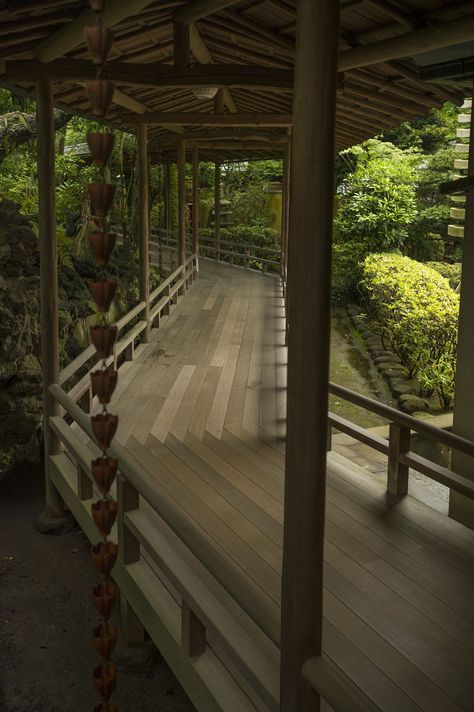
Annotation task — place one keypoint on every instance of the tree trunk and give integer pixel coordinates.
(17, 128)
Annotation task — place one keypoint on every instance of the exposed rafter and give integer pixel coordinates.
(198, 9)
(71, 35)
(158, 118)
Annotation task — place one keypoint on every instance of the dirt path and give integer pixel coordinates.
(46, 619)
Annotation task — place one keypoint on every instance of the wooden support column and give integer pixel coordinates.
(461, 508)
(311, 214)
(217, 208)
(144, 224)
(181, 202)
(285, 209)
(195, 200)
(48, 281)
(167, 200)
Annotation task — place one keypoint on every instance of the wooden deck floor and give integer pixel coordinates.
(202, 409)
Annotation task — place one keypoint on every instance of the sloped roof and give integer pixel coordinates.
(373, 95)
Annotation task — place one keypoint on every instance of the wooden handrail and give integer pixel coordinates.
(260, 608)
(456, 442)
(335, 687)
(72, 368)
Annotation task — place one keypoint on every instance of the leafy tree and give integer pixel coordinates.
(377, 201)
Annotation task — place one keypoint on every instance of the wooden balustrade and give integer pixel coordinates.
(160, 300)
(201, 611)
(397, 446)
(238, 253)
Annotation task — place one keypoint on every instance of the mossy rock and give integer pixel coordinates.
(412, 403)
(387, 358)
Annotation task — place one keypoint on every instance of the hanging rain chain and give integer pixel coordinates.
(104, 380)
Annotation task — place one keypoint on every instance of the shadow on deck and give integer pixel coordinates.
(201, 411)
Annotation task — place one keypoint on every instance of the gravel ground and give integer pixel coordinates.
(46, 619)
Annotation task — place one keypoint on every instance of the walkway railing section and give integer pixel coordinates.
(202, 614)
(130, 327)
(262, 259)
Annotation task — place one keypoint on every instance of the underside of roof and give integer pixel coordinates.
(384, 46)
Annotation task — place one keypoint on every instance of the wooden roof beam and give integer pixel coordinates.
(72, 34)
(203, 56)
(153, 74)
(198, 9)
(425, 39)
(157, 118)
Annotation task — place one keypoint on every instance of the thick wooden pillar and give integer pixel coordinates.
(195, 200)
(311, 213)
(48, 279)
(285, 209)
(217, 207)
(181, 202)
(144, 224)
(461, 507)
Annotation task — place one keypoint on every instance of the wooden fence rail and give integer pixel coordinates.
(161, 300)
(397, 446)
(238, 253)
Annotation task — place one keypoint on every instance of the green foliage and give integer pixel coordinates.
(415, 308)
(451, 272)
(347, 258)
(378, 199)
(428, 133)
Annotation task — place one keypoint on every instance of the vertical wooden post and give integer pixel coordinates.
(144, 224)
(181, 202)
(48, 281)
(193, 633)
(461, 507)
(399, 444)
(311, 213)
(195, 200)
(217, 208)
(129, 551)
(181, 42)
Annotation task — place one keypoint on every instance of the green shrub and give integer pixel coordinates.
(347, 259)
(452, 272)
(414, 307)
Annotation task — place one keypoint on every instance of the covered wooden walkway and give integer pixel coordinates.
(202, 412)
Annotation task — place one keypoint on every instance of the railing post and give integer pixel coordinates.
(130, 351)
(193, 633)
(85, 401)
(247, 258)
(85, 489)
(129, 552)
(399, 444)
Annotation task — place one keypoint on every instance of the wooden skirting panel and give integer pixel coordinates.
(207, 682)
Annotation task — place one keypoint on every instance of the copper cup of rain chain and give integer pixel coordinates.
(99, 42)
(101, 196)
(104, 470)
(105, 679)
(104, 556)
(103, 339)
(105, 597)
(106, 707)
(103, 384)
(104, 514)
(102, 245)
(97, 5)
(100, 93)
(100, 146)
(105, 637)
(104, 427)
(103, 292)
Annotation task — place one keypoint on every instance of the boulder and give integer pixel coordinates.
(411, 403)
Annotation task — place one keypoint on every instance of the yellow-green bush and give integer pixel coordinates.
(415, 308)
